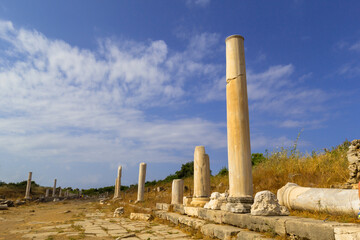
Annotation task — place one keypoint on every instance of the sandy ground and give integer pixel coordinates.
(78, 219)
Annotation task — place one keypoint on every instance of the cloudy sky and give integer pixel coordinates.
(88, 85)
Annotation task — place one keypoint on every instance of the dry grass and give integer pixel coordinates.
(317, 170)
(15, 192)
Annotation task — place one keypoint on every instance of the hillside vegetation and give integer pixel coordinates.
(270, 172)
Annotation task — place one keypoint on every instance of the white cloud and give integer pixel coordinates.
(355, 46)
(200, 3)
(68, 104)
(275, 91)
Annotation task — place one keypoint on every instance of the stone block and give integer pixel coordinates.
(191, 222)
(159, 206)
(310, 229)
(178, 208)
(211, 215)
(140, 216)
(172, 217)
(248, 235)
(220, 231)
(257, 223)
(192, 211)
(347, 232)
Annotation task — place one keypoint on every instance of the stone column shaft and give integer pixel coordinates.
(118, 183)
(47, 193)
(238, 130)
(177, 191)
(141, 185)
(60, 192)
(201, 177)
(54, 189)
(28, 186)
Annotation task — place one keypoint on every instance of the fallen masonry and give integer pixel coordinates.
(296, 227)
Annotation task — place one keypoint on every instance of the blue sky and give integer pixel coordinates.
(86, 86)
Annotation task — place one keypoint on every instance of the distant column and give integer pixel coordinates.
(118, 183)
(177, 191)
(141, 185)
(201, 177)
(47, 193)
(54, 189)
(60, 192)
(238, 129)
(67, 193)
(28, 186)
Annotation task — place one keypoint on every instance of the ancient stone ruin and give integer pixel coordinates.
(353, 156)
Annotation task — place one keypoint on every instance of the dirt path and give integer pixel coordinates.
(77, 219)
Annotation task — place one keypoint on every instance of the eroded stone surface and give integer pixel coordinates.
(353, 156)
(216, 201)
(266, 204)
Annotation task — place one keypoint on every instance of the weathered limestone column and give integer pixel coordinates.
(238, 130)
(141, 185)
(67, 193)
(177, 191)
(118, 183)
(60, 192)
(54, 189)
(47, 193)
(28, 186)
(201, 177)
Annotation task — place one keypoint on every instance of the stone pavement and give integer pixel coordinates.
(98, 226)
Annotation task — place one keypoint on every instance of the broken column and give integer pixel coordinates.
(67, 193)
(238, 130)
(141, 185)
(201, 177)
(177, 191)
(28, 186)
(54, 189)
(118, 183)
(60, 192)
(47, 193)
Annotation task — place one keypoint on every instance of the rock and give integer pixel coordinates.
(141, 216)
(159, 189)
(118, 212)
(353, 156)
(3, 207)
(19, 202)
(102, 201)
(56, 200)
(266, 204)
(9, 203)
(130, 201)
(216, 200)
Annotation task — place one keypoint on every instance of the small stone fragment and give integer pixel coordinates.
(118, 212)
(140, 216)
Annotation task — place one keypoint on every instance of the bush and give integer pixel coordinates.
(223, 172)
(257, 158)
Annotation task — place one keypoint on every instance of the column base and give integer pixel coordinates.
(199, 202)
(238, 204)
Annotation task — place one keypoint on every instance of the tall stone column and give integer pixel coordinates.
(141, 185)
(60, 192)
(54, 189)
(28, 186)
(47, 193)
(201, 177)
(238, 130)
(118, 183)
(177, 191)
